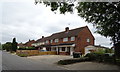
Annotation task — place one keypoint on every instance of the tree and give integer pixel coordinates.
(105, 16)
(14, 45)
(7, 46)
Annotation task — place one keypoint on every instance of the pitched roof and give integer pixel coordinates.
(63, 34)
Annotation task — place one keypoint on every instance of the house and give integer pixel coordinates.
(67, 41)
(95, 48)
(27, 44)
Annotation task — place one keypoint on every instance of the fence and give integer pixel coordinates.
(48, 53)
(35, 52)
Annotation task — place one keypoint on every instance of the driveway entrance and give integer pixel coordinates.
(50, 59)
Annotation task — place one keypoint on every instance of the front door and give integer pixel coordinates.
(69, 50)
(58, 50)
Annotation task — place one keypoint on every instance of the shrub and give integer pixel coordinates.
(22, 55)
(70, 61)
(108, 58)
(93, 56)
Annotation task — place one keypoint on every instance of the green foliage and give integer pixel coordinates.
(70, 61)
(100, 51)
(109, 51)
(107, 58)
(117, 50)
(63, 7)
(104, 16)
(7, 46)
(93, 56)
(14, 45)
(22, 55)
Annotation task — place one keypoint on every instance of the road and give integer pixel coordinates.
(13, 62)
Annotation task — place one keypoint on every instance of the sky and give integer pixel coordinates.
(24, 20)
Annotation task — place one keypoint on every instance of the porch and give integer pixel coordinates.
(64, 49)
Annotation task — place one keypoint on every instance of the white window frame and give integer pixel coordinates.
(56, 40)
(46, 41)
(72, 38)
(88, 40)
(65, 39)
(51, 41)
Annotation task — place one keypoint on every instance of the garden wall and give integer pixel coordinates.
(35, 52)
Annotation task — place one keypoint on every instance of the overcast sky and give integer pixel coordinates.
(24, 20)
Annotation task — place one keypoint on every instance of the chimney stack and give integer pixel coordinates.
(66, 29)
(42, 36)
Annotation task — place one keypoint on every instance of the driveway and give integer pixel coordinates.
(50, 59)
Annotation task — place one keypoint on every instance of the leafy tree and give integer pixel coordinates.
(14, 45)
(7, 46)
(105, 16)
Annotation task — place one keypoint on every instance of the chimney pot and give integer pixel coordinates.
(42, 36)
(67, 29)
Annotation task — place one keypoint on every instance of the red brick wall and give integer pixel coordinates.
(81, 40)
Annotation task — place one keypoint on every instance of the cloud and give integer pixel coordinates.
(25, 20)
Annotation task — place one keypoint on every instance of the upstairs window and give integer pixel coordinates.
(65, 39)
(56, 40)
(88, 40)
(72, 38)
(47, 41)
(51, 41)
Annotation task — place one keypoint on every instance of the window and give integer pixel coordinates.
(51, 41)
(53, 49)
(65, 39)
(56, 40)
(63, 48)
(72, 38)
(47, 41)
(88, 40)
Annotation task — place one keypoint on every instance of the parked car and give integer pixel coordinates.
(43, 50)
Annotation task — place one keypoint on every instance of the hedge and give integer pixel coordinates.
(70, 61)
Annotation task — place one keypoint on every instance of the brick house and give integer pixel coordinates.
(27, 44)
(67, 42)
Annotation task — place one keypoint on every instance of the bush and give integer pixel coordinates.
(76, 55)
(29, 48)
(70, 61)
(22, 55)
(107, 58)
(93, 56)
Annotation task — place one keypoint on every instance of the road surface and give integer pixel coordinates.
(13, 62)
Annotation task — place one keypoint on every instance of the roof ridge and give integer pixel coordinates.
(71, 29)
(72, 32)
